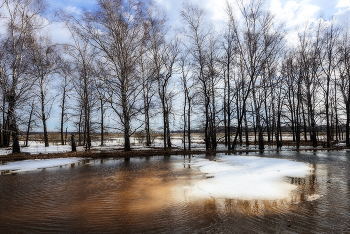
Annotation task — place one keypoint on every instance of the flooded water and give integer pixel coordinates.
(147, 195)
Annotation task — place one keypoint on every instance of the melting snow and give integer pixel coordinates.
(245, 177)
(30, 165)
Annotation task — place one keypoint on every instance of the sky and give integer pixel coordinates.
(292, 12)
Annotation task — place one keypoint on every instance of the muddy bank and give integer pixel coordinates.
(110, 154)
(143, 153)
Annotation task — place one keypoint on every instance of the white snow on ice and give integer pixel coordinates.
(37, 147)
(243, 177)
(30, 165)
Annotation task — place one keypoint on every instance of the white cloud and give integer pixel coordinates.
(60, 34)
(343, 3)
(293, 13)
(73, 10)
(343, 16)
(216, 9)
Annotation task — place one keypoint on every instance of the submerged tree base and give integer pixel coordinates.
(155, 151)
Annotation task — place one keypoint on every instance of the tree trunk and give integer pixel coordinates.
(79, 127)
(225, 114)
(29, 122)
(62, 114)
(13, 125)
(214, 143)
(102, 126)
(207, 141)
(189, 125)
(4, 124)
(258, 122)
(304, 121)
(347, 127)
(126, 120)
(168, 130)
(164, 126)
(337, 128)
(297, 111)
(66, 136)
(267, 120)
(147, 128)
(228, 107)
(327, 114)
(292, 110)
(184, 114)
(43, 117)
(246, 129)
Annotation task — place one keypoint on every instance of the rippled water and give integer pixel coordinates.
(146, 195)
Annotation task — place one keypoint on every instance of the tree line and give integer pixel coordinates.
(126, 61)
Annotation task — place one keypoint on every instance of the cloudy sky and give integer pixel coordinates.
(293, 13)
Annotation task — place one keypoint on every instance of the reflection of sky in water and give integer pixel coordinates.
(150, 195)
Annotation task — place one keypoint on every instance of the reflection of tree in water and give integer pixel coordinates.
(210, 205)
(312, 179)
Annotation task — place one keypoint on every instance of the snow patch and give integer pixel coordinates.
(30, 165)
(312, 197)
(243, 177)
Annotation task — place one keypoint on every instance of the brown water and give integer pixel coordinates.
(145, 195)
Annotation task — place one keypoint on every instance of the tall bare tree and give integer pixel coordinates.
(256, 43)
(189, 92)
(117, 31)
(330, 62)
(229, 47)
(42, 55)
(197, 35)
(64, 89)
(82, 74)
(147, 73)
(158, 48)
(22, 19)
(344, 78)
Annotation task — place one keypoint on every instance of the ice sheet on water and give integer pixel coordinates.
(244, 177)
(29, 165)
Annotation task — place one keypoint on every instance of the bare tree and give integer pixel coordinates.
(330, 62)
(189, 92)
(344, 75)
(256, 44)
(101, 95)
(82, 74)
(197, 34)
(229, 47)
(22, 20)
(147, 73)
(31, 120)
(213, 77)
(161, 64)
(165, 89)
(42, 55)
(309, 62)
(117, 31)
(64, 89)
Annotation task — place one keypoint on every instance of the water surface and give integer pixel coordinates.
(147, 195)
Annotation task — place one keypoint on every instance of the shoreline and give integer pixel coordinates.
(144, 153)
